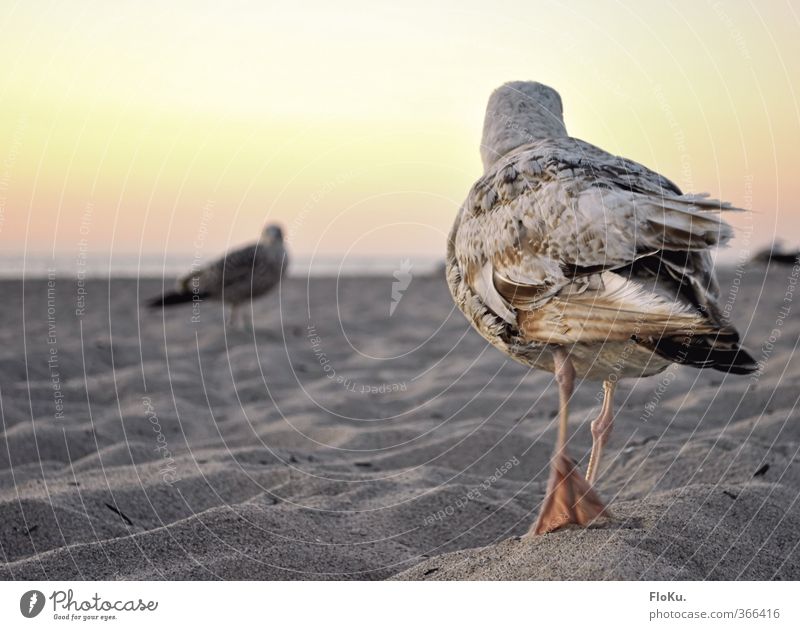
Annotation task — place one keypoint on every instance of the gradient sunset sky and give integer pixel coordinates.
(183, 127)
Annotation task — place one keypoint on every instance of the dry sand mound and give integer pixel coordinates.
(734, 532)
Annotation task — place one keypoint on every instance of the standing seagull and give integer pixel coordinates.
(240, 276)
(588, 265)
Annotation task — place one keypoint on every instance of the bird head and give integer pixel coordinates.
(519, 113)
(272, 233)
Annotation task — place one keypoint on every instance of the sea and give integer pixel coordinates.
(97, 265)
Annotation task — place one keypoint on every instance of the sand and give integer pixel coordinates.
(337, 442)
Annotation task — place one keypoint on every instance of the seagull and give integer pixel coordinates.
(588, 265)
(240, 276)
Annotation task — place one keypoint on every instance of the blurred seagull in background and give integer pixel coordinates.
(588, 265)
(238, 277)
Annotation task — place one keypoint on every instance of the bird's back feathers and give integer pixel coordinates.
(562, 243)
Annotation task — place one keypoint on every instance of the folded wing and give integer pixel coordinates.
(572, 245)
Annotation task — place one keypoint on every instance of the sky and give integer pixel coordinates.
(139, 127)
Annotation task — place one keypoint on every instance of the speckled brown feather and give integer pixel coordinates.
(546, 248)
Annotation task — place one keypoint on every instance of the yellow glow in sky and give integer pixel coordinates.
(150, 126)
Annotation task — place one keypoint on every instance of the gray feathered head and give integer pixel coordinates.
(272, 233)
(519, 113)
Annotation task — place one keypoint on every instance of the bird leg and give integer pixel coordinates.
(248, 318)
(570, 498)
(601, 430)
(232, 315)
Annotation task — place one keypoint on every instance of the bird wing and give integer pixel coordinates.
(551, 237)
(233, 268)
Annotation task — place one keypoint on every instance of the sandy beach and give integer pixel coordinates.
(337, 441)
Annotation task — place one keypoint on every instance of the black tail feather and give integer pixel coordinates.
(719, 351)
(170, 299)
